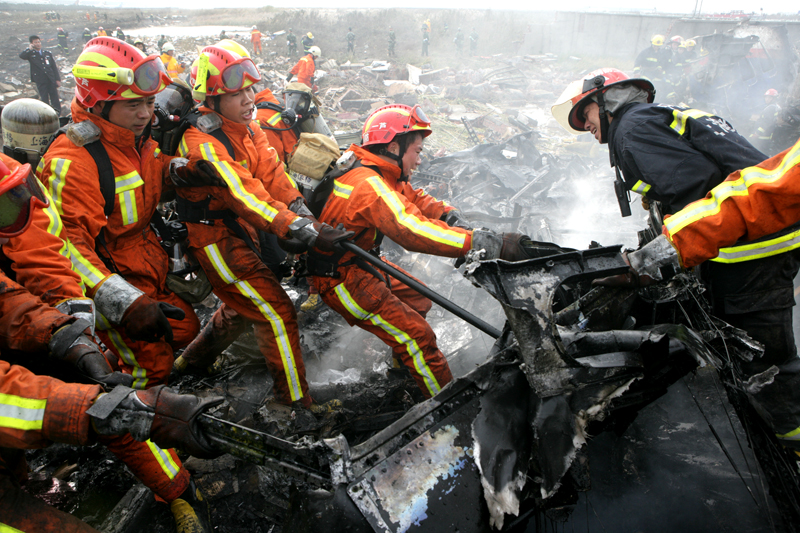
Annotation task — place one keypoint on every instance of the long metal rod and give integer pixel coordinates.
(399, 275)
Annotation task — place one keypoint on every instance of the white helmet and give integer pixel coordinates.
(168, 47)
(315, 51)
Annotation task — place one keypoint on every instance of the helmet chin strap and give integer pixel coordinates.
(401, 142)
(601, 104)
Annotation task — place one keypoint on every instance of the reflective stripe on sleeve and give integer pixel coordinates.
(124, 352)
(727, 189)
(4, 528)
(413, 349)
(680, 117)
(89, 274)
(641, 187)
(236, 186)
(412, 222)
(342, 190)
(273, 318)
(165, 460)
(759, 250)
(26, 414)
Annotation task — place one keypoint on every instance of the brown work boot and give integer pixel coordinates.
(191, 512)
(313, 303)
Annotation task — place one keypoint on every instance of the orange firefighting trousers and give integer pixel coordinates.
(397, 316)
(245, 284)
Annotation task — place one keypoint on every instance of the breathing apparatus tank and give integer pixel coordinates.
(28, 127)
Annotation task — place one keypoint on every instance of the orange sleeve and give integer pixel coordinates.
(38, 410)
(371, 200)
(427, 204)
(245, 194)
(71, 178)
(271, 171)
(751, 203)
(26, 323)
(40, 256)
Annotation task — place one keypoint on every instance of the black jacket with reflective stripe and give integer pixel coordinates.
(676, 155)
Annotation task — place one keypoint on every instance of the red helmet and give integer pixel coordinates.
(20, 194)
(387, 122)
(221, 71)
(771, 92)
(677, 39)
(110, 69)
(568, 109)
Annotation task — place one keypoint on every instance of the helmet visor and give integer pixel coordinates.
(418, 115)
(237, 74)
(20, 194)
(149, 76)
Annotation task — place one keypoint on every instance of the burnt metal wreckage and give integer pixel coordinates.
(506, 441)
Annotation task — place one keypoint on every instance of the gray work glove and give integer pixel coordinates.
(72, 344)
(158, 414)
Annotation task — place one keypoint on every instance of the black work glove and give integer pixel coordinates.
(455, 219)
(289, 77)
(329, 237)
(195, 173)
(175, 422)
(146, 319)
(72, 344)
(512, 248)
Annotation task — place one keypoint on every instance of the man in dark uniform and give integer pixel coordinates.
(675, 156)
(62, 40)
(87, 35)
(392, 41)
(44, 72)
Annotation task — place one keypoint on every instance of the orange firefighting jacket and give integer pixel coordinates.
(38, 410)
(40, 257)
(71, 176)
(371, 199)
(255, 36)
(304, 70)
(255, 170)
(751, 203)
(283, 141)
(171, 64)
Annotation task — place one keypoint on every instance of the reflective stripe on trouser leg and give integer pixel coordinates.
(159, 469)
(277, 328)
(411, 347)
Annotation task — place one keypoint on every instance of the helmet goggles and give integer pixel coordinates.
(20, 194)
(417, 118)
(146, 78)
(235, 75)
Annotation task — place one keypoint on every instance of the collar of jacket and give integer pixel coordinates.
(266, 96)
(112, 134)
(614, 124)
(230, 127)
(387, 169)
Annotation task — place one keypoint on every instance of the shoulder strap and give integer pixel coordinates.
(218, 134)
(320, 194)
(105, 173)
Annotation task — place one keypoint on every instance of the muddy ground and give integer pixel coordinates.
(666, 472)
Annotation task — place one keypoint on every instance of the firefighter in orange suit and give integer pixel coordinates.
(375, 199)
(223, 198)
(37, 410)
(255, 40)
(119, 259)
(305, 68)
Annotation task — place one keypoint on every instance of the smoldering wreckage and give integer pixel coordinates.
(507, 445)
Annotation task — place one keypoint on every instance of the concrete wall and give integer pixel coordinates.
(623, 36)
